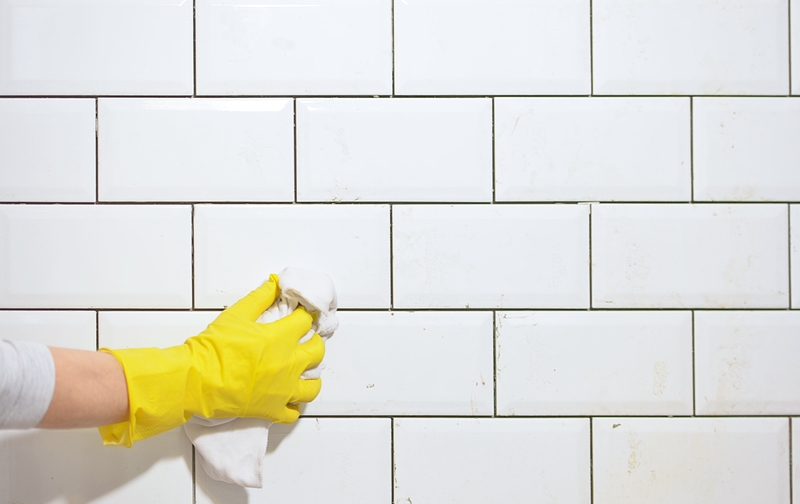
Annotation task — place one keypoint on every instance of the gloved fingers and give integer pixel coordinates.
(254, 304)
(293, 326)
(310, 353)
(306, 391)
(289, 414)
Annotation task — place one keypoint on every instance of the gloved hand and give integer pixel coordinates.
(235, 368)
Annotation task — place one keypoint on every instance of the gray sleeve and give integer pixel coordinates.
(27, 382)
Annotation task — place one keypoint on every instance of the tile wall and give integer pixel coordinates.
(565, 235)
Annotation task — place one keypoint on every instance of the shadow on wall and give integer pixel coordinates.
(226, 493)
(38, 467)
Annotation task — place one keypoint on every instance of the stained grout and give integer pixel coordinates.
(494, 156)
(194, 475)
(694, 374)
(591, 272)
(393, 56)
(789, 220)
(194, 303)
(96, 150)
(791, 463)
(372, 96)
(591, 461)
(408, 309)
(591, 48)
(392, 460)
(294, 105)
(495, 335)
(194, 48)
(384, 203)
(391, 257)
(97, 330)
(691, 147)
(789, 7)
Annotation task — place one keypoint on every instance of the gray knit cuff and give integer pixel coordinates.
(27, 382)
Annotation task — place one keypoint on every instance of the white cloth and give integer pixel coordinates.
(233, 450)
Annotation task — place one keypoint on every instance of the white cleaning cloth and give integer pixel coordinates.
(233, 450)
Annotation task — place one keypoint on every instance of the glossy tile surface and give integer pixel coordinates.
(592, 149)
(394, 149)
(335, 460)
(85, 47)
(401, 363)
(66, 329)
(745, 363)
(136, 329)
(293, 47)
(196, 150)
(745, 149)
(594, 363)
(490, 256)
(47, 150)
(691, 460)
(689, 256)
(84, 256)
(66, 466)
(491, 47)
(491, 460)
(238, 246)
(697, 47)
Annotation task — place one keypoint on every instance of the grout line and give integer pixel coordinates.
(384, 203)
(789, 219)
(790, 46)
(193, 297)
(194, 475)
(96, 150)
(371, 96)
(494, 162)
(507, 417)
(791, 462)
(97, 330)
(591, 49)
(494, 357)
(391, 257)
(294, 105)
(694, 385)
(394, 475)
(691, 147)
(591, 273)
(404, 309)
(591, 462)
(194, 48)
(393, 63)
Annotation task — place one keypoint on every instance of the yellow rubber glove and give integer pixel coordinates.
(235, 368)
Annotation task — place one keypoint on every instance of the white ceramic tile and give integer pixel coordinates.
(87, 256)
(394, 149)
(400, 363)
(491, 256)
(294, 47)
(332, 460)
(699, 47)
(496, 47)
(238, 246)
(795, 457)
(745, 149)
(592, 149)
(491, 460)
(133, 329)
(182, 149)
(86, 47)
(67, 329)
(69, 466)
(794, 231)
(746, 362)
(689, 256)
(47, 150)
(691, 460)
(594, 363)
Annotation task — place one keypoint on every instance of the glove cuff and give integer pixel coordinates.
(157, 381)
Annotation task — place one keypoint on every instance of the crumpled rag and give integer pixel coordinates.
(233, 450)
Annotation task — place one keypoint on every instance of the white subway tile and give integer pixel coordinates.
(594, 363)
(47, 150)
(689, 256)
(491, 256)
(394, 149)
(63, 466)
(592, 149)
(67, 329)
(745, 149)
(491, 460)
(700, 47)
(691, 460)
(85, 47)
(495, 47)
(238, 246)
(328, 47)
(332, 460)
(794, 231)
(400, 363)
(746, 362)
(134, 329)
(180, 149)
(87, 256)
